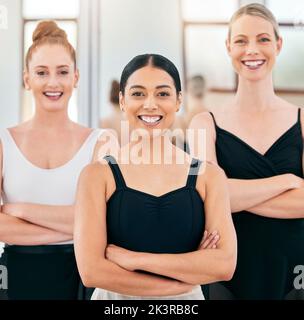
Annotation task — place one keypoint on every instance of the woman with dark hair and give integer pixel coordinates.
(258, 141)
(139, 225)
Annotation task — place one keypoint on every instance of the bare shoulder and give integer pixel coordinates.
(202, 120)
(210, 173)
(98, 176)
(95, 171)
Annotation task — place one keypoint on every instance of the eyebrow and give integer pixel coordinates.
(158, 87)
(61, 66)
(243, 35)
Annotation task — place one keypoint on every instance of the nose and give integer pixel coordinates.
(52, 81)
(252, 48)
(150, 103)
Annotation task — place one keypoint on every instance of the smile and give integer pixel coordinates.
(150, 120)
(53, 95)
(253, 64)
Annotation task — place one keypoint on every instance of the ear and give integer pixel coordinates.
(179, 101)
(279, 45)
(76, 78)
(228, 46)
(121, 101)
(26, 80)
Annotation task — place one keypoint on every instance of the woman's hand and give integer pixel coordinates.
(293, 181)
(123, 257)
(209, 240)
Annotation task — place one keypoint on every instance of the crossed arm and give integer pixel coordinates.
(203, 265)
(99, 268)
(276, 197)
(17, 231)
(34, 224)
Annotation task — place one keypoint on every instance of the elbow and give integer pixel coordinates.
(227, 274)
(90, 276)
(86, 273)
(86, 279)
(228, 268)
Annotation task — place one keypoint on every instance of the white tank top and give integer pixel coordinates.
(23, 182)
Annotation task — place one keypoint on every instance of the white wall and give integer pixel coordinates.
(10, 65)
(132, 27)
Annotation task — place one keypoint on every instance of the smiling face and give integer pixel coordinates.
(253, 47)
(51, 76)
(150, 99)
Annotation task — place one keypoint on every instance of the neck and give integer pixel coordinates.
(46, 120)
(255, 95)
(152, 150)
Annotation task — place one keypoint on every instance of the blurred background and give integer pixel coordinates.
(108, 33)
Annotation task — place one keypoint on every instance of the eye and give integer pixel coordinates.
(264, 40)
(137, 94)
(164, 94)
(240, 41)
(41, 73)
(64, 72)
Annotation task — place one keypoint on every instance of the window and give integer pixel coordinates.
(288, 72)
(205, 25)
(65, 13)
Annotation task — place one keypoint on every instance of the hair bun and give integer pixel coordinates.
(48, 29)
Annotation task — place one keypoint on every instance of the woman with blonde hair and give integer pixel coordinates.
(40, 161)
(258, 141)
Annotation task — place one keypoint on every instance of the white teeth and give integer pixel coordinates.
(53, 94)
(150, 119)
(253, 63)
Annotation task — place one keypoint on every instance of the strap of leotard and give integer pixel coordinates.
(119, 180)
(213, 118)
(193, 172)
(299, 115)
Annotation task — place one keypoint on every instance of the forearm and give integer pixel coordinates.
(15, 231)
(288, 205)
(198, 267)
(57, 218)
(109, 276)
(245, 194)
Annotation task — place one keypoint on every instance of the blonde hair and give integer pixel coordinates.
(48, 32)
(256, 10)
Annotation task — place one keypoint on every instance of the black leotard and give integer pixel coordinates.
(171, 223)
(268, 248)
